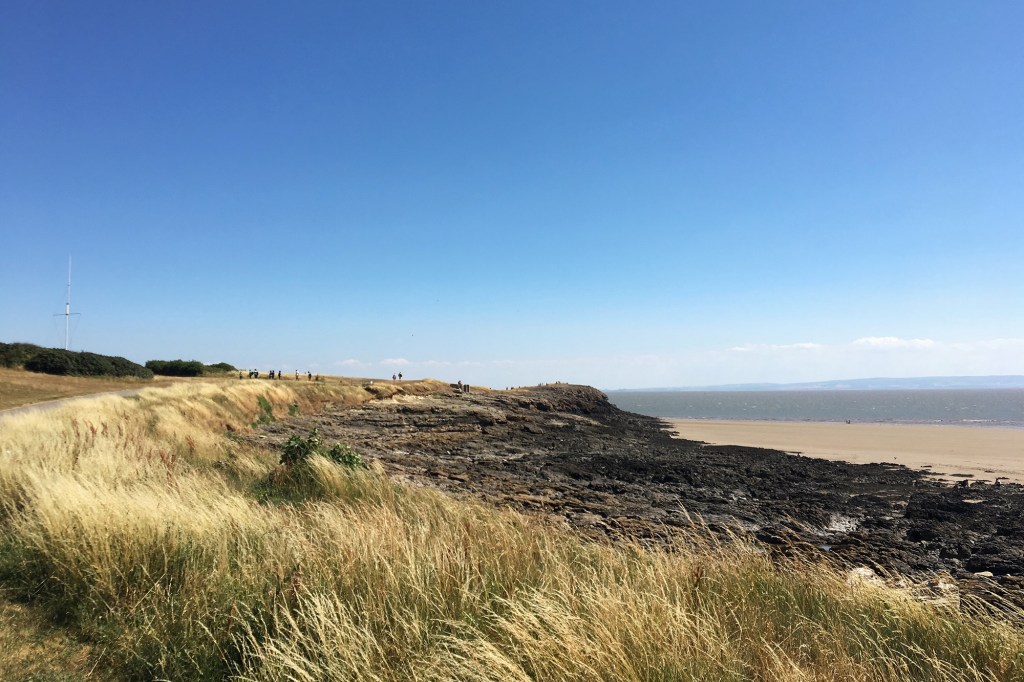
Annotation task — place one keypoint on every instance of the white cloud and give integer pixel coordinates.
(350, 362)
(395, 361)
(893, 342)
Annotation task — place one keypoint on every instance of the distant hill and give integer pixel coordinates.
(876, 384)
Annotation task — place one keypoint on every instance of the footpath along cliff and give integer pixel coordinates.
(565, 451)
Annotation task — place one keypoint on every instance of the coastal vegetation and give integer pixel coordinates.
(187, 368)
(65, 362)
(16, 354)
(79, 363)
(141, 539)
(19, 387)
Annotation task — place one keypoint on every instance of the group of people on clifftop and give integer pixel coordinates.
(278, 374)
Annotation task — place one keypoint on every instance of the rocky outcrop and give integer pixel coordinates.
(565, 451)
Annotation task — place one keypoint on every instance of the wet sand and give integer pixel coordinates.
(944, 451)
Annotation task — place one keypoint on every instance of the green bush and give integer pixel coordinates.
(297, 451)
(71, 363)
(177, 368)
(296, 481)
(125, 367)
(17, 354)
(341, 453)
(188, 368)
(51, 361)
(220, 367)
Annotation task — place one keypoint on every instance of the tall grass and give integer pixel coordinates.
(137, 525)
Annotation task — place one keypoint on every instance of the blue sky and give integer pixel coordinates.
(513, 192)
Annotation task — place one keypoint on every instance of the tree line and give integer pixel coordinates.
(81, 363)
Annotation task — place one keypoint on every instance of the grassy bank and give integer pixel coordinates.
(166, 550)
(19, 387)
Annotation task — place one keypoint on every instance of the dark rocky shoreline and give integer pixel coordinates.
(566, 451)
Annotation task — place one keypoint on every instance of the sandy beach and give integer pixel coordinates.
(944, 451)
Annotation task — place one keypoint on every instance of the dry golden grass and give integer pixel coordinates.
(143, 528)
(18, 387)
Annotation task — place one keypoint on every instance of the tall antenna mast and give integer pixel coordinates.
(67, 312)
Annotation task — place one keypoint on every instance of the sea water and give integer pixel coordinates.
(965, 407)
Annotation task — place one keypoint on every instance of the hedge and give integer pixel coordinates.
(71, 363)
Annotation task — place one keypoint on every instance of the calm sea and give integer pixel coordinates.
(973, 407)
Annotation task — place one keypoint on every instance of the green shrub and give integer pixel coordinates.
(177, 368)
(297, 451)
(220, 367)
(51, 361)
(341, 453)
(188, 368)
(63, 362)
(17, 354)
(298, 480)
(91, 364)
(125, 368)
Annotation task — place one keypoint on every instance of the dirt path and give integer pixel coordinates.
(51, 404)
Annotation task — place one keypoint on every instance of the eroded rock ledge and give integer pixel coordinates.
(566, 451)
